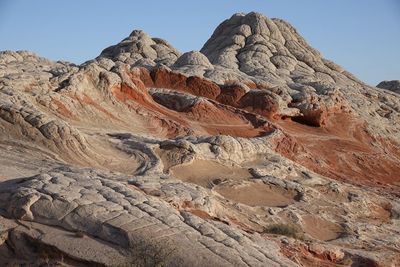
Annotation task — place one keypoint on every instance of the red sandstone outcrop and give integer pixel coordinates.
(162, 78)
(231, 94)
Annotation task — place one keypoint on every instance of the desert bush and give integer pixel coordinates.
(284, 229)
(151, 254)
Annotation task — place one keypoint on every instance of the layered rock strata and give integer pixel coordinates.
(254, 151)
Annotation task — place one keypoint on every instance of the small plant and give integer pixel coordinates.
(151, 254)
(80, 234)
(284, 229)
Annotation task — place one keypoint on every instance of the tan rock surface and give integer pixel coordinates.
(148, 156)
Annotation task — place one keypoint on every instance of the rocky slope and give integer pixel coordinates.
(254, 151)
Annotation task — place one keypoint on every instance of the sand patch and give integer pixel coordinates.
(257, 194)
(321, 229)
(207, 173)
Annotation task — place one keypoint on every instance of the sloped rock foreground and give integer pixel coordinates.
(255, 151)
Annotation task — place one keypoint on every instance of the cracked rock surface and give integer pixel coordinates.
(254, 151)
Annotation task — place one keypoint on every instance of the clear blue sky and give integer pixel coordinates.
(361, 35)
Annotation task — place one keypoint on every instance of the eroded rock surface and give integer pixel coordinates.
(393, 86)
(254, 151)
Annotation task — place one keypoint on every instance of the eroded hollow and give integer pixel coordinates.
(207, 173)
(307, 121)
(321, 229)
(257, 194)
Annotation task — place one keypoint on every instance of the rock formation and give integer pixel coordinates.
(393, 86)
(254, 151)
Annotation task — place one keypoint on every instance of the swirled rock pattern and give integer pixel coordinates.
(254, 151)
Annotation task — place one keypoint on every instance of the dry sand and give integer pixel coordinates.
(204, 172)
(321, 229)
(257, 194)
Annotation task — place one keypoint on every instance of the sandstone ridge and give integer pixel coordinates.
(253, 151)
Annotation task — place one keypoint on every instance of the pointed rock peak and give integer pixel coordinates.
(259, 46)
(258, 23)
(140, 49)
(139, 34)
(247, 25)
(142, 36)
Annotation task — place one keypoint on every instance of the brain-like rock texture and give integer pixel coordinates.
(253, 151)
(140, 49)
(390, 85)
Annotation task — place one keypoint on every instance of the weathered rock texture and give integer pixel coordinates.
(145, 156)
(393, 86)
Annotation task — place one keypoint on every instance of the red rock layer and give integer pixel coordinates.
(231, 95)
(224, 120)
(157, 117)
(234, 94)
(162, 78)
(316, 118)
(341, 149)
(202, 118)
(318, 255)
(262, 103)
(62, 109)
